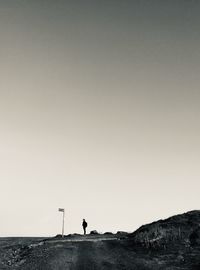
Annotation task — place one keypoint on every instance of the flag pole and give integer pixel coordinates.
(63, 223)
(63, 219)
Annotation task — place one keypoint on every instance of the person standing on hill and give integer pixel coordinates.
(84, 224)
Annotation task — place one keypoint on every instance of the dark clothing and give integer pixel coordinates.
(84, 224)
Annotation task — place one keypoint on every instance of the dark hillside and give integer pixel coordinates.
(177, 230)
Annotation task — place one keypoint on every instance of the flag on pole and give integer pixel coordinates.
(63, 219)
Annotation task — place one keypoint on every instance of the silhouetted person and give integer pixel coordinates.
(84, 224)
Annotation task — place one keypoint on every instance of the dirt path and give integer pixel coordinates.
(79, 253)
(87, 256)
(76, 255)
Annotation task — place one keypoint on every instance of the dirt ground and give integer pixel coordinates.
(86, 253)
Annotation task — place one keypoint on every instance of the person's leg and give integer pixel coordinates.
(84, 230)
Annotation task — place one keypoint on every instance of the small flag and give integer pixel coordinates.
(61, 209)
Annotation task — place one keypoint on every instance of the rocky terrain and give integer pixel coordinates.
(170, 244)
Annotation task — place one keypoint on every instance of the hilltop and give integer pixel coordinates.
(169, 244)
(182, 230)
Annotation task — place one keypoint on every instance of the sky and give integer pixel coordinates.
(99, 113)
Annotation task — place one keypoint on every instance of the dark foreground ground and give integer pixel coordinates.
(171, 244)
(91, 252)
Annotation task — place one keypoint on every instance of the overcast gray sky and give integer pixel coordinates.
(99, 113)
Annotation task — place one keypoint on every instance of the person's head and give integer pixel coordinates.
(83, 219)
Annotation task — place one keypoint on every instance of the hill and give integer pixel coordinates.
(169, 244)
(181, 230)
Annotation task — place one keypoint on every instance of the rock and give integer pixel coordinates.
(122, 232)
(94, 232)
(76, 234)
(58, 236)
